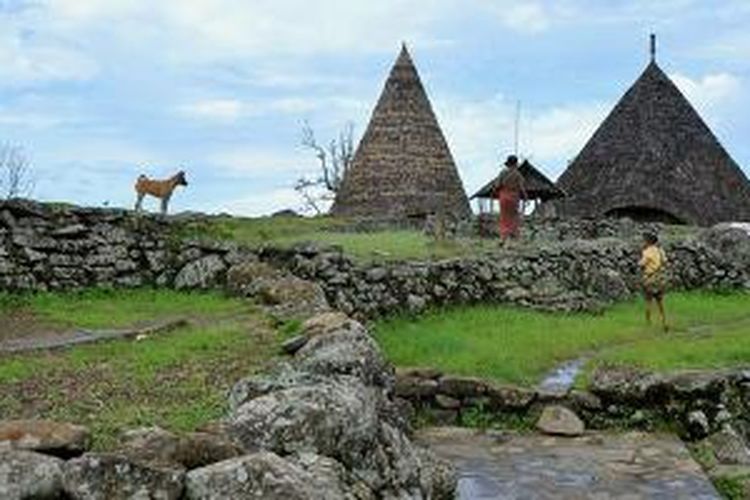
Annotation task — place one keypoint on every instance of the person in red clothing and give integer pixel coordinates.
(509, 191)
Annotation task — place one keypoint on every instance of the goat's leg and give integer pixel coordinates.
(139, 201)
(164, 205)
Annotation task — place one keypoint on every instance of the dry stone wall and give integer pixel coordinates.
(44, 247)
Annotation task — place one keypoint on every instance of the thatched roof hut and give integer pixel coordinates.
(537, 185)
(653, 158)
(402, 167)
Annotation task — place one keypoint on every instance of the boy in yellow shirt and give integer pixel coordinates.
(652, 265)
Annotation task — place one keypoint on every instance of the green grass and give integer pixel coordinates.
(520, 346)
(177, 380)
(107, 308)
(283, 232)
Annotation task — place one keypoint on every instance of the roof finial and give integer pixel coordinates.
(653, 47)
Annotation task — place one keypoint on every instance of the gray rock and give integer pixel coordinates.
(729, 447)
(437, 476)
(560, 421)
(336, 418)
(202, 273)
(46, 436)
(160, 447)
(292, 345)
(263, 475)
(107, 476)
(697, 424)
(346, 352)
(24, 474)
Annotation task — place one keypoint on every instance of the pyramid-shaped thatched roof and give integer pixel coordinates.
(654, 158)
(536, 184)
(402, 167)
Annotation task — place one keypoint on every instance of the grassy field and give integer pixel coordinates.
(108, 308)
(392, 244)
(177, 380)
(520, 346)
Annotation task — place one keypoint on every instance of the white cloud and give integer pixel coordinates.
(254, 162)
(713, 95)
(481, 133)
(23, 62)
(525, 17)
(222, 110)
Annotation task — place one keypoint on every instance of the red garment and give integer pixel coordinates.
(509, 213)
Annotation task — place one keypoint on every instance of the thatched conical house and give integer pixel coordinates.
(402, 167)
(653, 158)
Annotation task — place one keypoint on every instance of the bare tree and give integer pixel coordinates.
(333, 160)
(15, 172)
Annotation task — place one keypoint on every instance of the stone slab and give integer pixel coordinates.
(597, 466)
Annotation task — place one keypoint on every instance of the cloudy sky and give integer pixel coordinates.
(98, 91)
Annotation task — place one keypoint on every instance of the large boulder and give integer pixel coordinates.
(108, 476)
(24, 475)
(560, 421)
(283, 376)
(53, 438)
(335, 418)
(202, 273)
(348, 351)
(160, 447)
(323, 323)
(268, 476)
(242, 277)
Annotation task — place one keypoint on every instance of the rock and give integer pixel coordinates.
(419, 372)
(415, 304)
(697, 424)
(291, 297)
(202, 273)
(263, 475)
(408, 387)
(334, 418)
(25, 475)
(45, 436)
(346, 352)
(463, 387)
(447, 402)
(729, 447)
(282, 377)
(241, 277)
(159, 447)
(108, 476)
(438, 476)
(292, 345)
(324, 323)
(509, 397)
(560, 421)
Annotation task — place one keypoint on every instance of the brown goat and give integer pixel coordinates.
(161, 189)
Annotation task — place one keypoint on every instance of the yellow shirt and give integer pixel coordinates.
(652, 260)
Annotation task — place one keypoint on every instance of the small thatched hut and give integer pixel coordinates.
(538, 188)
(402, 168)
(654, 159)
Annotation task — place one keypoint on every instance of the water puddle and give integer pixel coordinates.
(562, 378)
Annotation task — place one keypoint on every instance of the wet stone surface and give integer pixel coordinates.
(496, 465)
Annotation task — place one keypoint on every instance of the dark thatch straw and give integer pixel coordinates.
(536, 184)
(403, 167)
(654, 158)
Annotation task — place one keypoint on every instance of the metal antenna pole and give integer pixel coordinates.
(516, 133)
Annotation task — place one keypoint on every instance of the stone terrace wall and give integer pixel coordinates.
(47, 248)
(575, 275)
(43, 247)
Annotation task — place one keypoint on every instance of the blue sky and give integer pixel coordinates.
(98, 91)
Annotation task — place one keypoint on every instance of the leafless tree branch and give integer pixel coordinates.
(15, 172)
(333, 160)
